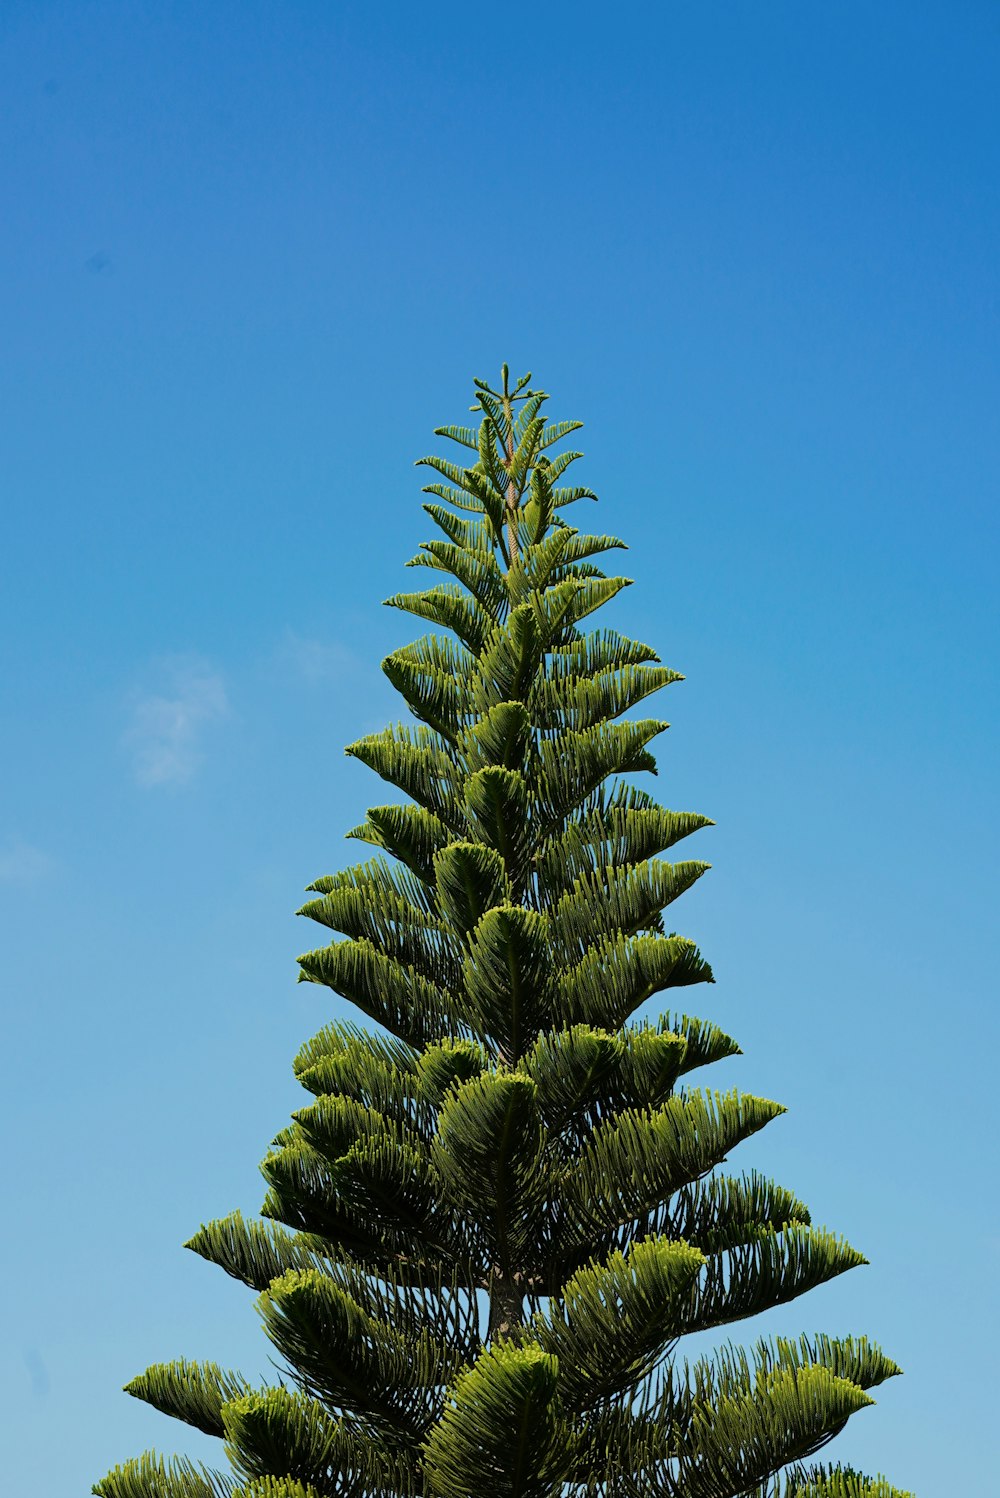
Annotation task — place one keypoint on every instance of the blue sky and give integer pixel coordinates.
(250, 255)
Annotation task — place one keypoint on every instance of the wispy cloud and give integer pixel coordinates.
(313, 660)
(38, 1374)
(167, 726)
(20, 863)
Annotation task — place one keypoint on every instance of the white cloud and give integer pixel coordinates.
(314, 660)
(20, 863)
(166, 729)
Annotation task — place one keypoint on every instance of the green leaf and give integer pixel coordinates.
(286, 1487)
(509, 659)
(449, 607)
(528, 414)
(453, 472)
(471, 879)
(379, 880)
(477, 535)
(853, 1358)
(572, 765)
(724, 1212)
(501, 1432)
(706, 1043)
(284, 1434)
(432, 695)
(559, 464)
(476, 570)
(637, 1159)
(341, 1039)
(556, 430)
(609, 835)
(152, 1476)
(539, 510)
(493, 410)
(525, 451)
(833, 1482)
(371, 904)
(491, 502)
(613, 1321)
(618, 902)
(571, 1070)
(490, 433)
(500, 736)
(506, 974)
(584, 702)
(740, 1440)
(447, 1064)
(194, 1392)
(395, 995)
(768, 1271)
(415, 1299)
(253, 1252)
(561, 607)
(488, 1152)
(462, 501)
(467, 436)
(497, 811)
(289, 1446)
(597, 652)
(348, 1359)
(561, 553)
(380, 1203)
(410, 833)
(620, 973)
(418, 763)
(571, 495)
(334, 1124)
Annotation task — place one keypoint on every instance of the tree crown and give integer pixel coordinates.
(501, 1210)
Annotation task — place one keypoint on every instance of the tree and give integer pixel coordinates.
(486, 1235)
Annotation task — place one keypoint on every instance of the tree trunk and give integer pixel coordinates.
(506, 1308)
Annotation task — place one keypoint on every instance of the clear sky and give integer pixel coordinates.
(250, 255)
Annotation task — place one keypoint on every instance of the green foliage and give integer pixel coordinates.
(502, 1206)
